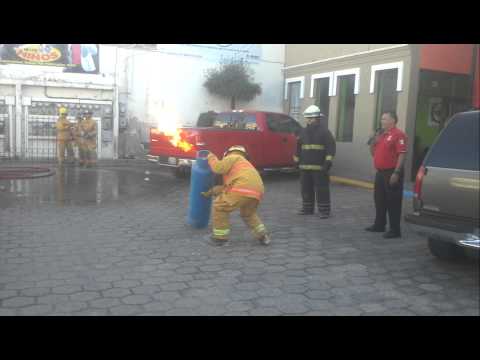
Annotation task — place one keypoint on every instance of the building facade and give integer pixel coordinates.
(354, 83)
(30, 96)
(134, 86)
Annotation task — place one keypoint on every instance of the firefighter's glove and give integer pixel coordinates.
(214, 191)
(327, 165)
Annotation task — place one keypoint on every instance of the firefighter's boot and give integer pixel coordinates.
(304, 211)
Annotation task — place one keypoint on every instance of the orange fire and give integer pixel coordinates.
(175, 138)
(168, 120)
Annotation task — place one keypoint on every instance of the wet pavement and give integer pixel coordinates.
(113, 241)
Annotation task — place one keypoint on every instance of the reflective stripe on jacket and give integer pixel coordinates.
(239, 175)
(315, 145)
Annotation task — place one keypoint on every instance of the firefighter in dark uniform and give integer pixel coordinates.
(315, 151)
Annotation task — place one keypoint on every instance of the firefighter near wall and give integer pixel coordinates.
(242, 190)
(64, 137)
(201, 180)
(88, 140)
(315, 151)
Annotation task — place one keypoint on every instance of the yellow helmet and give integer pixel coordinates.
(63, 111)
(238, 148)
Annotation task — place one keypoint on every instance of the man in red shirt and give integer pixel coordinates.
(388, 150)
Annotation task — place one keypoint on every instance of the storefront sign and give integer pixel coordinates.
(83, 58)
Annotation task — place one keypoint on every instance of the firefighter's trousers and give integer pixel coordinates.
(90, 151)
(315, 184)
(226, 203)
(63, 145)
(81, 151)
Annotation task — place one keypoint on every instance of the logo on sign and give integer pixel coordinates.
(43, 53)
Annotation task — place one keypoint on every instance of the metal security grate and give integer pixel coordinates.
(40, 136)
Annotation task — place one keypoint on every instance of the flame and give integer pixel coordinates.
(175, 138)
(168, 126)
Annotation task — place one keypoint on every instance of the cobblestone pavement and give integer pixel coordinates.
(107, 242)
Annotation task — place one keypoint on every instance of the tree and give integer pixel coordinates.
(232, 80)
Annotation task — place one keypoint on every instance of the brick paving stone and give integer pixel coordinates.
(104, 303)
(71, 307)
(52, 299)
(125, 310)
(239, 306)
(35, 291)
(7, 312)
(5, 294)
(18, 301)
(67, 289)
(85, 296)
(116, 292)
(158, 307)
(173, 286)
(265, 292)
(126, 283)
(136, 299)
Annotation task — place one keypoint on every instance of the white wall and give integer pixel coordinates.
(159, 80)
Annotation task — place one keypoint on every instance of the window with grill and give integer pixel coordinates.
(322, 99)
(386, 93)
(294, 99)
(346, 108)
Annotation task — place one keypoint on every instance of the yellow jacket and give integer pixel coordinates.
(63, 129)
(239, 175)
(89, 129)
(76, 132)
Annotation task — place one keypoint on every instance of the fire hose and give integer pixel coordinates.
(17, 172)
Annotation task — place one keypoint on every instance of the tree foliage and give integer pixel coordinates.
(232, 80)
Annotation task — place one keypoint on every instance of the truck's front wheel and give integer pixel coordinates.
(181, 172)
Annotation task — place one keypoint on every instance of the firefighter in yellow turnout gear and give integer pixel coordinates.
(78, 141)
(64, 137)
(88, 139)
(242, 189)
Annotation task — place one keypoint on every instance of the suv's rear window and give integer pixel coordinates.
(237, 120)
(457, 145)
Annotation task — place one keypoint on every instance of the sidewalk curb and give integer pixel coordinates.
(364, 185)
(356, 183)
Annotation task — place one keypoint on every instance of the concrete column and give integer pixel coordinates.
(115, 109)
(411, 113)
(17, 124)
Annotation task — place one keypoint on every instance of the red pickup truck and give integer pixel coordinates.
(270, 139)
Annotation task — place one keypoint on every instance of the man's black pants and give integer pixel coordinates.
(315, 184)
(388, 199)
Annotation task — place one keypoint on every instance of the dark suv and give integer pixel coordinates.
(447, 190)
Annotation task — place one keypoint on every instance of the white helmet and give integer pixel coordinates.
(313, 111)
(238, 148)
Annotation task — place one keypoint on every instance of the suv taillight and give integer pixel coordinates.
(418, 183)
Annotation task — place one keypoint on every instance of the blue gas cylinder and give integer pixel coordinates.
(201, 180)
